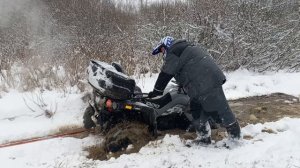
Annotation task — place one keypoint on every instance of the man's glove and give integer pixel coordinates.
(160, 84)
(155, 93)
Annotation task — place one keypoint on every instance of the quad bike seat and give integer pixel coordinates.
(160, 101)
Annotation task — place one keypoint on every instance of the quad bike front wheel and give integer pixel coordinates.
(88, 123)
(123, 134)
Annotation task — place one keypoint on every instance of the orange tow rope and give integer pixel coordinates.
(30, 140)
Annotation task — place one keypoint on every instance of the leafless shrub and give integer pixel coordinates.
(42, 34)
(37, 101)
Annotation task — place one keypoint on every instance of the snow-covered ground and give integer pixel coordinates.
(22, 116)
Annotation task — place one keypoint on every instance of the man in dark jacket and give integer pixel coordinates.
(195, 70)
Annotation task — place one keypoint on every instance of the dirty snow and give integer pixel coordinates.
(22, 116)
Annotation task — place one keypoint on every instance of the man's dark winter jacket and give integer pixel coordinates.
(192, 67)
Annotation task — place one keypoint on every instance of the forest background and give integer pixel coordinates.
(48, 43)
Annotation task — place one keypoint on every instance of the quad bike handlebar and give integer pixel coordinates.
(141, 95)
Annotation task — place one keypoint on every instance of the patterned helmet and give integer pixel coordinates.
(165, 42)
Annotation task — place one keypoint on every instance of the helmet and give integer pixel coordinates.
(165, 42)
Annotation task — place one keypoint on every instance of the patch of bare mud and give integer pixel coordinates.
(266, 108)
(124, 138)
(128, 138)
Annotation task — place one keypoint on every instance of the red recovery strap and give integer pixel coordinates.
(30, 140)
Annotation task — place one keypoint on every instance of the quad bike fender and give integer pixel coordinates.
(179, 104)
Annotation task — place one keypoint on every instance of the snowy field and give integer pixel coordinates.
(22, 116)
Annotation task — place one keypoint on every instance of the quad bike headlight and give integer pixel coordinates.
(114, 105)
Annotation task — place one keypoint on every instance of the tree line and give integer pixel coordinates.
(259, 35)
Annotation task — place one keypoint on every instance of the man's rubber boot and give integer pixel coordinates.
(234, 130)
(204, 134)
(212, 123)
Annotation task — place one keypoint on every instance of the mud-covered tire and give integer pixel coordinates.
(87, 120)
(126, 133)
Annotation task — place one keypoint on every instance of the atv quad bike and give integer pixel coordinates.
(116, 98)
